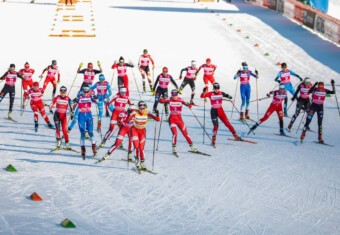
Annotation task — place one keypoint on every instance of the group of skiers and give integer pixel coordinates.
(132, 121)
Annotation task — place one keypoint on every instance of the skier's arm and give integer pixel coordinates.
(278, 77)
(215, 67)
(185, 69)
(161, 100)
(111, 101)
(156, 82)
(225, 95)
(173, 82)
(97, 71)
(198, 70)
(45, 69)
(255, 75)
(296, 75)
(312, 89)
(333, 87)
(237, 74)
(204, 93)
(114, 65)
(296, 92)
(53, 102)
(152, 62)
(4, 76)
(156, 118)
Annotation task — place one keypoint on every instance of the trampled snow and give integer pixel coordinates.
(277, 186)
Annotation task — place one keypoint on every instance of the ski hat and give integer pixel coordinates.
(122, 90)
(101, 77)
(36, 84)
(307, 80)
(174, 92)
(63, 89)
(193, 63)
(142, 104)
(321, 85)
(281, 86)
(216, 85)
(86, 88)
(283, 65)
(54, 62)
(208, 60)
(12, 65)
(244, 64)
(145, 51)
(121, 59)
(27, 65)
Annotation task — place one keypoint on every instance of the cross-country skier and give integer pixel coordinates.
(216, 98)
(53, 73)
(124, 129)
(62, 103)
(189, 78)
(303, 101)
(103, 93)
(10, 78)
(143, 64)
(89, 73)
(27, 73)
(162, 89)
(276, 106)
(209, 70)
(319, 93)
(176, 120)
(121, 66)
(37, 105)
(283, 77)
(120, 100)
(245, 89)
(85, 120)
(138, 131)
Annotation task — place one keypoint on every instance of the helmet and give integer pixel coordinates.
(283, 65)
(121, 59)
(216, 85)
(12, 65)
(27, 65)
(63, 89)
(122, 90)
(208, 60)
(35, 84)
(90, 65)
(145, 51)
(54, 62)
(281, 86)
(165, 70)
(86, 88)
(174, 92)
(101, 77)
(306, 80)
(142, 104)
(244, 64)
(193, 63)
(321, 85)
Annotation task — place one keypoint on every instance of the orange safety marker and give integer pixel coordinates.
(35, 197)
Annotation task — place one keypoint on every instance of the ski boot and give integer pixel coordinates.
(36, 126)
(130, 156)
(174, 150)
(94, 149)
(107, 155)
(320, 139)
(102, 144)
(67, 146)
(137, 162)
(282, 132)
(303, 134)
(142, 166)
(247, 113)
(166, 119)
(193, 148)
(241, 116)
(213, 141)
(144, 88)
(237, 137)
(10, 115)
(289, 127)
(83, 151)
(58, 143)
(99, 126)
(285, 112)
(253, 128)
(50, 125)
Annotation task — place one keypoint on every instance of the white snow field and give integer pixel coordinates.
(277, 186)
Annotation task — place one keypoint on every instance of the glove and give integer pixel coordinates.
(332, 82)
(268, 95)
(98, 63)
(292, 99)
(153, 93)
(107, 114)
(256, 72)
(230, 97)
(75, 100)
(153, 67)
(72, 115)
(95, 97)
(51, 111)
(190, 106)
(278, 81)
(40, 76)
(204, 89)
(157, 112)
(58, 81)
(81, 65)
(180, 77)
(301, 79)
(315, 84)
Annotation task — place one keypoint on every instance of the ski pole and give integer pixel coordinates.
(113, 75)
(257, 95)
(154, 145)
(200, 124)
(134, 77)
(303, 116)
(99, 130)
(160, 127)
(263, 98)
(232, 111)
(74, 79)
(336, 98)
(239, 112)
(290, 105)
(21, 102)
(205, 101)
(24, 107)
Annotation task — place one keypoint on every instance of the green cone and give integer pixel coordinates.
(11, 168)
(66, 223)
